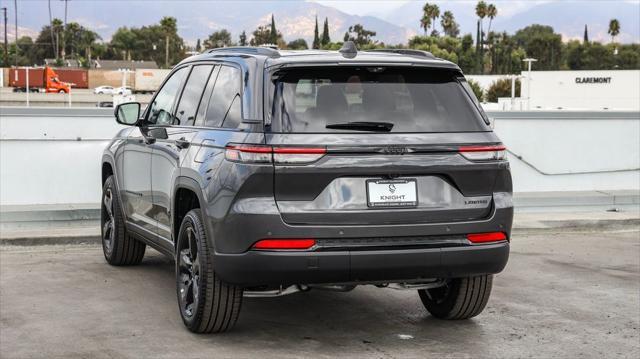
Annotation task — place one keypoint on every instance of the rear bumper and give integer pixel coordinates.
(254, 268)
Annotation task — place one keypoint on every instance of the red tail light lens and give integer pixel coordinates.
(269, 154)
(486, 237)
(484, 153)
(283, 244)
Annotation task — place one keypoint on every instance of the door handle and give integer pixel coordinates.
(182, 143)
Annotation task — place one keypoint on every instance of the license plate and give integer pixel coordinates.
(392, 193)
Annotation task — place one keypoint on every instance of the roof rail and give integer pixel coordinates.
(410, 52)
(264, 51)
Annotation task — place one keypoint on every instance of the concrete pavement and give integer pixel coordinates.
(563, 294)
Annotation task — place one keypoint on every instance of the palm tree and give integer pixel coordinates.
(481, 11)
(449, 25)
(492, 12)
(614, 28)
(435, 13)
(169, 26)
(425, 21)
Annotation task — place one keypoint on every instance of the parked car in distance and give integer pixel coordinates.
(265, 172)
(107, 90)
(126, 90)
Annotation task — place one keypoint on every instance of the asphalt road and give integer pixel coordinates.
(562, 295)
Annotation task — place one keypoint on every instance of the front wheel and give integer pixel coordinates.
(207, 304)
(118, 246)
(460, 298)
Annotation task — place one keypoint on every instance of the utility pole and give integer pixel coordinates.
(6, 48)
(15, 4)
(64, 29)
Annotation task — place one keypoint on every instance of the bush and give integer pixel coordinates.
(501, 88)
(477, 90)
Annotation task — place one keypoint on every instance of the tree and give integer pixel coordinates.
(435, 13)
(481, 12)
(261, 36)
(477, 90)
(221, 38)
(298, 44)
(124, 40)
(359, 35)
(430, 12)
(325, 40)
(614, 29)
(492, 12)
(316, 38)
(169, 26)
(543, 44)
(501, 88)
(273, 38)
(198, 46)
(449, 24)
(243, 38)
(585, 37)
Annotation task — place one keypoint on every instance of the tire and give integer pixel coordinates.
(62, 91)
(207, 305)
(119, 248)
(461, 298)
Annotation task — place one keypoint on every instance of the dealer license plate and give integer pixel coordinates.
(392, 193)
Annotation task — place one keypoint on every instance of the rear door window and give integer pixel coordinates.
(192, 94)
(390, 99)
(224, 108)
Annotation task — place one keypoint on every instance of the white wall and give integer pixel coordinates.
(571, 151)
(52, 159)
(52, 155)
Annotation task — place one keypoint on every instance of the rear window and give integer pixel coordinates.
(388, 99)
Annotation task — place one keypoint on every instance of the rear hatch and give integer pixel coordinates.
(380, 145)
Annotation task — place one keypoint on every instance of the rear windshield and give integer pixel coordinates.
(377, 99)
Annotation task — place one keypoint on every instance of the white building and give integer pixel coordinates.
(593, 90)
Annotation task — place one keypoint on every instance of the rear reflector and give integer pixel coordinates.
(300, 243)
(484, 153)
(486, 237)
(269, 154)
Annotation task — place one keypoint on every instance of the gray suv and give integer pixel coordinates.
(266, 172)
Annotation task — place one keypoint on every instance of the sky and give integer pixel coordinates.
(380, 7)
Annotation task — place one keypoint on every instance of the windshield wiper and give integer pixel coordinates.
(362, 126)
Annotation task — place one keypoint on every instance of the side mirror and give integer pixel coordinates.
(128, 113)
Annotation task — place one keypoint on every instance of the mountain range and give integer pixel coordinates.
(296, 19)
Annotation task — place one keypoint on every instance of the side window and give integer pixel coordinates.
(160, 110)
(225, 104)
(191, 95)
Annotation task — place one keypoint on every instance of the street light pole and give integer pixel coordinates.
(15, 4)
(529, 60)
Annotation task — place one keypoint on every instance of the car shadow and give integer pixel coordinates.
(367, 314)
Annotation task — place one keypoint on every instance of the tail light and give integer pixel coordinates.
(484, 153)
(284, 244)
(271, 154)
(487, 237)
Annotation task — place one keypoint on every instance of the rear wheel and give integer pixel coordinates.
(460, 298)
(119, 248)
(207, 305)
